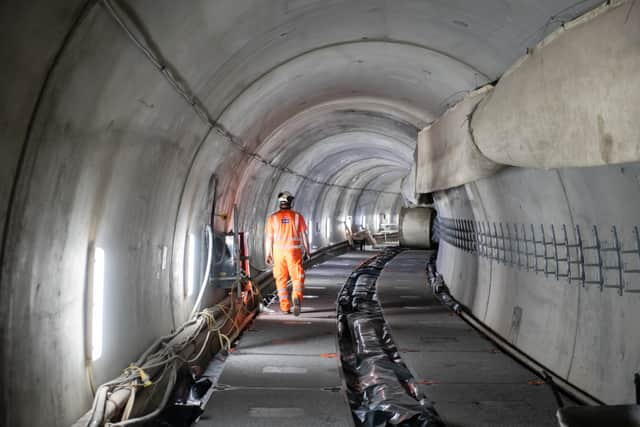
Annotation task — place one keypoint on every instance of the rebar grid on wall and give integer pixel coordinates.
(576, 256)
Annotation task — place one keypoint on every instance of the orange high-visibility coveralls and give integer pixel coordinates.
(286, 227)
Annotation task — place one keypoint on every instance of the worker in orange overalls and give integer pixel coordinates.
(286, 234)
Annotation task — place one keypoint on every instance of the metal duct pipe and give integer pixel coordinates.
(415, 227)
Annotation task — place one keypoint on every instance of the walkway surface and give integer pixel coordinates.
(470, 381)
(285, 371)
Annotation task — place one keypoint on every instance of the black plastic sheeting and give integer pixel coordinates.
(190, 395)
(381, 389)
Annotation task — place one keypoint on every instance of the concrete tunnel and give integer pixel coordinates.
(127, 126)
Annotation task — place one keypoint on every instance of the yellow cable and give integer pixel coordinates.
(144, 377)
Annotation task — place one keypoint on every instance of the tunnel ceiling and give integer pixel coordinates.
(299, 80)
(295, 81)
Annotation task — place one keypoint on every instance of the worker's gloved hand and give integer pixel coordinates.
(307, 256)
(269, 260)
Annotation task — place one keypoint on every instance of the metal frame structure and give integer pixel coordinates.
(573, 257)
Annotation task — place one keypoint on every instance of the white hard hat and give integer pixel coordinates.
(285, 197)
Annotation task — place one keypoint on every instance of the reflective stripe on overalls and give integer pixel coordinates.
(287, 255)
(282, 243)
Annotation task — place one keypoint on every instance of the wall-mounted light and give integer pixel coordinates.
(364, 221)
(327, 229)
(191, 263)
(310, 229)
(97, 305)
(163, 257)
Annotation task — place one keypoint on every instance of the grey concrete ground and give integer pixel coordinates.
(285, 370)
(471, 382)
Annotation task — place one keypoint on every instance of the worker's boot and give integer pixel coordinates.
(285, 307)
(296, 305)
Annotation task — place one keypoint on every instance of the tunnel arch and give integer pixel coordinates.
(113, 155)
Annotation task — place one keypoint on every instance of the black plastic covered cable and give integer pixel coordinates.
(381, 389)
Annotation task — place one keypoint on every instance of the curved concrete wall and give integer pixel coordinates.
(585, 335)
(567, 114)
(323, 97)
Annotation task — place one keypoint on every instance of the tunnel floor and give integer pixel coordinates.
(469, 380)
(285, 370)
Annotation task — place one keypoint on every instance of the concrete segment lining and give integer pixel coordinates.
(113, 154)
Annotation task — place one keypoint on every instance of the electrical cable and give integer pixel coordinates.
(90, 377)
(204, 345)
(126, 414)
(205, 279)
(164, 358)
(542, 31)
(161, 406)
(98, 407)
